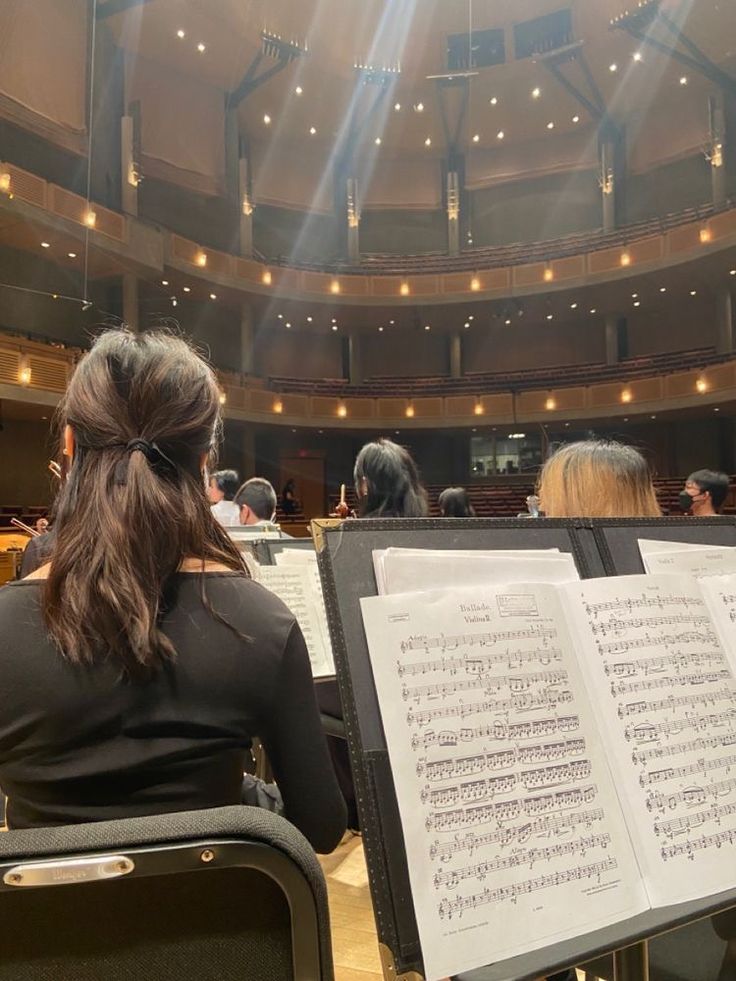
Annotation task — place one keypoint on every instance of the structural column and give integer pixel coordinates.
(245, 207)
(247, 339)
(613, 338)
(353, 218)
(453, 213)
(355, 359)
(724, 322)
(456, 356)
(717, 150)
(247, 452)
(607, 153)
(131, 315)
(129, 165)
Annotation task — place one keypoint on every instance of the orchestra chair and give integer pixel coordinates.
(225, 893)
(693, 952)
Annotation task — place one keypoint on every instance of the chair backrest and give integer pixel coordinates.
(234, 892)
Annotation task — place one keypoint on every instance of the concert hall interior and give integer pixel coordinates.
(479, 229)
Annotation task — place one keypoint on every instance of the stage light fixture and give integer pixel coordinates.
(500, 134)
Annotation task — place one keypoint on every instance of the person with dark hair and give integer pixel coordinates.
(704, 493)
(387, 482)
(289, 502)
(454, 502)
(222, 487)
(256, 502)
(137, 667)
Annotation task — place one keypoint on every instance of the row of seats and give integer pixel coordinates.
(479, 383)
(508, 500)
(512, 254)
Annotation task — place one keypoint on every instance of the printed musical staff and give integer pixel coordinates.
(456, 907)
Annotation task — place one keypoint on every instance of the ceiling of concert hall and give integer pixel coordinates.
(312, 98)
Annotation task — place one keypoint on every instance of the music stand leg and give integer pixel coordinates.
(631, 963)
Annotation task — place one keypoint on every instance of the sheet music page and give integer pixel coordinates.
(665, 695)
(650, 546)
(307, 559)
(696, 562)
(432, 569)
(513, 831)
(294, 585)
(382, 556)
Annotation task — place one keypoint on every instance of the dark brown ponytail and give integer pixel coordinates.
(144, 410)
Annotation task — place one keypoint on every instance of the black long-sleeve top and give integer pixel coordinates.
(88, 744)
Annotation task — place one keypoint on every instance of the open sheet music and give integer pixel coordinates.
(564, 756)
(298, 586)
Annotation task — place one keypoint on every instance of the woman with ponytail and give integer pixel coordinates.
(138, 665)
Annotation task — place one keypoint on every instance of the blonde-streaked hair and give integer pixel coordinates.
(597, 479)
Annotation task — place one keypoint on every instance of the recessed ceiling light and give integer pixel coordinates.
(536, 92)
(637, 303)
(732, 272)
(380, 330)
(392, 322)
(613, 67)
(201, 48)
(683, 80)
(634, 296)
(213, 296)
(550, 316)
(476, 138)
(573, 306)
(716, 409)
(181, 34)
(397, 107)
(164, 282)
(298, 90)
(428, 141)
(267, 119)
(419, 107)
(334, 326)
(507, 321)
(187, 289)
(467, 325)
(378, 141)
(693, 292)
(494, 101)
(45, 245)
(309, 320)
(173, 301)
(427, 326)
(550, 125)
(662, 289)
(72, 255)
(279, 316)
(576, 119)
(500, 134)
(287, 324)
(638, 56)
(312, 130)
(592, 310)
(334, 320)
(471, 317)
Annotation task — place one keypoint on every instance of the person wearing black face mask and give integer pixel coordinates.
(704, 493)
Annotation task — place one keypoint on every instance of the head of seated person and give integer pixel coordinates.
(223, 486)
(387, 482)
(454, 502)
(257, 501)
(140, 419)
(704, 493)
(597, 479)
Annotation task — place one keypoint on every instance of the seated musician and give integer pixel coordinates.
(137, 666)
(597, 478)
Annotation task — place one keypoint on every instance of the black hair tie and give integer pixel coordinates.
(152, 452)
